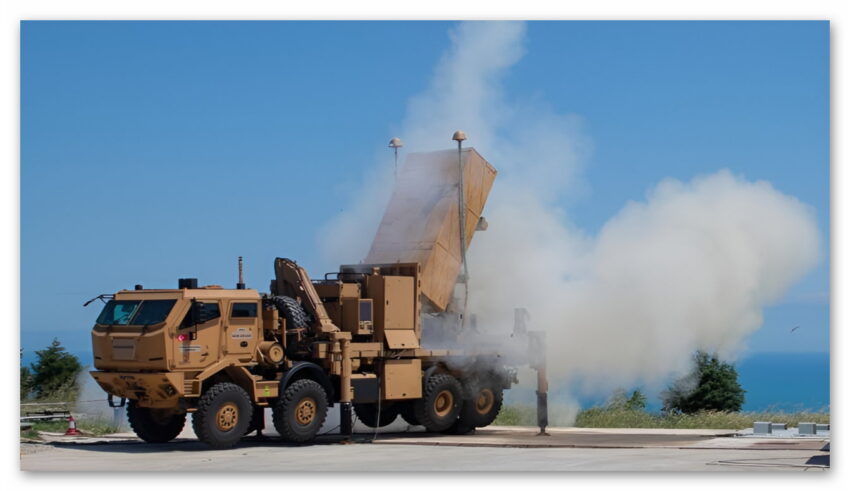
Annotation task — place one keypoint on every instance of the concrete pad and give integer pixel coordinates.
(557, 438)
(489, 449)
(272, 455)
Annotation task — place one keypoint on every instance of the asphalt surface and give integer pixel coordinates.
(491, 449)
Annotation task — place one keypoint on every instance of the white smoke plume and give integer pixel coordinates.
(689, 268)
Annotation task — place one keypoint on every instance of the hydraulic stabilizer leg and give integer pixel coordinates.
(345, 427)
(345, 388)
(537, 349)
(542, 402)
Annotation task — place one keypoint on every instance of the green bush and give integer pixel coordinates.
(711, 386)
(54, 373)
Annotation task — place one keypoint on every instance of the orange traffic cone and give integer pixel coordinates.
(72, 427)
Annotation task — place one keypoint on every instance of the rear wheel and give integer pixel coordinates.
(368, 414)
(223, 416)
(480, 408)
(155, 425)
(300, 411)
(438, 408)
(485, 404)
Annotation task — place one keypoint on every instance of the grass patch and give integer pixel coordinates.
(516, 415)
(622, 418)
(598, 417)
(92, 427)
(58, 402)
(526, 415)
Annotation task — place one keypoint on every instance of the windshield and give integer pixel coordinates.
(135, 312)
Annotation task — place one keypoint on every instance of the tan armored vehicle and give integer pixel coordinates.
(353, 338)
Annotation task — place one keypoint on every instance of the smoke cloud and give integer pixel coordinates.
(689, 267)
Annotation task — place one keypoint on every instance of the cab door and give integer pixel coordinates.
(242, 329)
(198, 346)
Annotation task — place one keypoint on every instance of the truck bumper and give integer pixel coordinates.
(149, 389)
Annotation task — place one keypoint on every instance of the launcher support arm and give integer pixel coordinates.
(292, 280)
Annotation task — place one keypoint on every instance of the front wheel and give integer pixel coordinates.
(300, 411)
(223, 416)
(155, 425)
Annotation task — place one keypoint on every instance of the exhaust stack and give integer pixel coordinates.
(241, 284)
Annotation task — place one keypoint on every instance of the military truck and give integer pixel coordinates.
(352, 338)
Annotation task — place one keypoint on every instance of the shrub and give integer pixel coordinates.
(54, 373)
(711, 386)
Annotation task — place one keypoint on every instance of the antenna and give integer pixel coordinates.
(395, 144)
(459, 137)
(241, 284)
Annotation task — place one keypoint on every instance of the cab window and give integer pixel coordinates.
(244, 310)
(210, 309)
(118, 312)
(135, 312)
(153, 312)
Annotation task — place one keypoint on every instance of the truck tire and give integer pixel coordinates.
(300, 411)
(155, 425)
(295, 315)
(482, 407)
(223, 415)
(368, 414)
(439, 406)
(406, 411)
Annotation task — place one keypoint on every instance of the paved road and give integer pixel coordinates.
(253, 455)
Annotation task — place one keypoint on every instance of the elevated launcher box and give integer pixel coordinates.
(421, 221)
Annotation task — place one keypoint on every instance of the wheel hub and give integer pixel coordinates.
(443, 403)
(484, 402)
(227, 417)
(305, 411)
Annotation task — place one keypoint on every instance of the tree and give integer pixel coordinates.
(620, 400)
(711, 386)
(26, 379)
(55, 371)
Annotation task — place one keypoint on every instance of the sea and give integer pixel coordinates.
(773, 382)
(785, 381)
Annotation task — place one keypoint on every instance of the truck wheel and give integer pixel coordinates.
(406, 411)
(300, 411)
(155, 425)
(295, 315)
(441, 397)
(481, 408)
(223, 415)
(368, 414)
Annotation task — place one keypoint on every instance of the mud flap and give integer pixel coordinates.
(112, 402)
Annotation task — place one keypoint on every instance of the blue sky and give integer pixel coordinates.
(152, 151)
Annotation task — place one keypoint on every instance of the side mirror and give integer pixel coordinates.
(198, 313)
